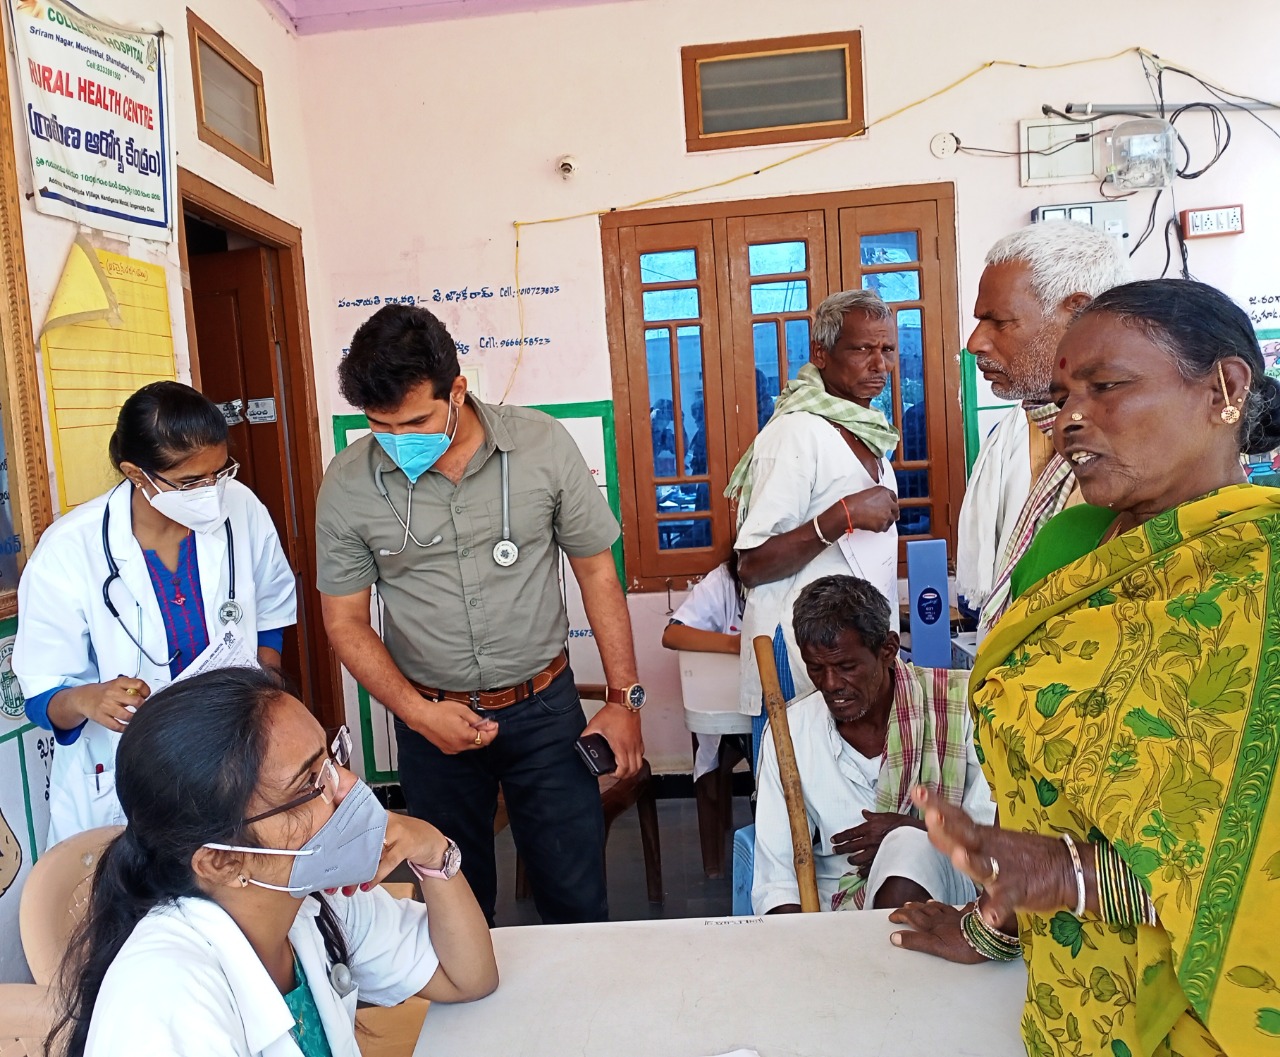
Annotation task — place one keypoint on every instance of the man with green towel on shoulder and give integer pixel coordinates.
(816, 493)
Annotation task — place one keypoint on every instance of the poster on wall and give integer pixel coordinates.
(108, 333)
(96, 119)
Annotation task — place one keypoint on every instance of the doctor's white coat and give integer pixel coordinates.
(66, 636)
(187, 982)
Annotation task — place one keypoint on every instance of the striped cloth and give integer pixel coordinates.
(807, 392)
(1048, 497)
(925, 746)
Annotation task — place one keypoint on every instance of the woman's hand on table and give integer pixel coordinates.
(1017, 871)
(935, 929)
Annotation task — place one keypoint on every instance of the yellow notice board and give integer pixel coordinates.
(107, 335)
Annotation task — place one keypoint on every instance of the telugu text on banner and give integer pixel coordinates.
(95, 114)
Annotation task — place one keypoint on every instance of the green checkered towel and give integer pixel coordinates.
(925, 745)
(806, 392)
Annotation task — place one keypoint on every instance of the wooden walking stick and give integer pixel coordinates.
(801, 839)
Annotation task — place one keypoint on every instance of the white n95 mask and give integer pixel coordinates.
(199, 509)
(345, 851)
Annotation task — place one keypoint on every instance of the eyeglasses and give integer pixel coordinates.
(227, 473)
(326, 780)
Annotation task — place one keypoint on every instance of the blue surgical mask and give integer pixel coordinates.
(345, 851)
(416, 453)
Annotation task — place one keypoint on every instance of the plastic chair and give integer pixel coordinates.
(55, 896)
(26, 1015)
(744, 862)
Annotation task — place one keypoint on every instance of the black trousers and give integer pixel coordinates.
(552, 800)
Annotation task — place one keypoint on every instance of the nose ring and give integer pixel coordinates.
(1076, 416)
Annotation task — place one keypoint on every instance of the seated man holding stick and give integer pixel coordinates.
(875, 728)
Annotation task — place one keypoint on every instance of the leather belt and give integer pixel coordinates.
(492, 700)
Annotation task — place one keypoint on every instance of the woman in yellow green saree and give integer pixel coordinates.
(1128, 705)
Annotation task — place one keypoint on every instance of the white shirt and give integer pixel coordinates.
(67, 637)
(713, 604)
(187, 981)
(801, 466)
(993, 500)
(839, 784)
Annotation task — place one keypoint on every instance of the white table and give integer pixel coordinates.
(804, 985)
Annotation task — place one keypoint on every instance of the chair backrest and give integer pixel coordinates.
(55, 896)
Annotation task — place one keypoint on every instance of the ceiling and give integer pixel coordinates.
(327, 16)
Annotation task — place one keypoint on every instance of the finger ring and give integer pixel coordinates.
(479, 738)
(132, 691)
(995, 871)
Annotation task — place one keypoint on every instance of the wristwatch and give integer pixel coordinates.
(632, 697)
(449, 865)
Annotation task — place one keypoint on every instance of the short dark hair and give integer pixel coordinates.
(397, 349)
(164, 423)
(1197, 325)
(834, 604)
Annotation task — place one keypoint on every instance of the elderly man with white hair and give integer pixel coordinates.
(1035, 282)
(816, 492)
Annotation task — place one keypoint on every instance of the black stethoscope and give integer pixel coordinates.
(505, 552)
(230, 611)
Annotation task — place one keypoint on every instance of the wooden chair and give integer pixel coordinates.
(616, 796)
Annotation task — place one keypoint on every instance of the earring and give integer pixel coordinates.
(1229, 414)
(244, 881)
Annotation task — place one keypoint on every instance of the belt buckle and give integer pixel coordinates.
(475, 701)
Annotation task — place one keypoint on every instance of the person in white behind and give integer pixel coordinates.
(816, 492)
(207, 930)
(876, 728)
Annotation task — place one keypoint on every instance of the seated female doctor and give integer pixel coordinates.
(125, 592)
(207, 931)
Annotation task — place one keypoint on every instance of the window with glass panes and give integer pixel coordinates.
(710, 313)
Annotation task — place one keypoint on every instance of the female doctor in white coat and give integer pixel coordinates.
(208, 932)
(177, 564)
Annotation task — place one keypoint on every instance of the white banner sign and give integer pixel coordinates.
(94, 108)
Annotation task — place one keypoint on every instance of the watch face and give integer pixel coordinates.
(636, 696)
(452, 860)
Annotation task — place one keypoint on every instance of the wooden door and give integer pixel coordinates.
(893, 249)
(238, 352)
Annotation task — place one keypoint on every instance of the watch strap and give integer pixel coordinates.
(449, 866)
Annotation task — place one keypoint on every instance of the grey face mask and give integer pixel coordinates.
(344, 851)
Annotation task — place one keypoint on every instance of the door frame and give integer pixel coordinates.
(200, 198)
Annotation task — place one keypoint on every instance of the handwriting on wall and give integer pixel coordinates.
(1264, 308)
(470, 296)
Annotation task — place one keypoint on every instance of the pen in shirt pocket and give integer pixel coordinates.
(97, 777)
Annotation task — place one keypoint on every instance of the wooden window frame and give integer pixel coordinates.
(23, 421)
(737, 379)
(199, 30)
(693, 55)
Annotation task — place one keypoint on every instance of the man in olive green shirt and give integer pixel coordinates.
(471, 659)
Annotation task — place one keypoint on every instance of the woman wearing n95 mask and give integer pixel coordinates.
(208, 930)
(177, 564)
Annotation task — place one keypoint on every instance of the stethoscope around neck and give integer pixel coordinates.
(230, 611)
(505, 552)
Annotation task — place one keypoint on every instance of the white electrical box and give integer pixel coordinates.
(1110, 218)
(1142, 154)
(1056, 151)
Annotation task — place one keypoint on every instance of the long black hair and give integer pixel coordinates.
(164, 423)
(1198, 326)
(186, 769)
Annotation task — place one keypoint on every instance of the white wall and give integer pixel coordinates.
(428, 141)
